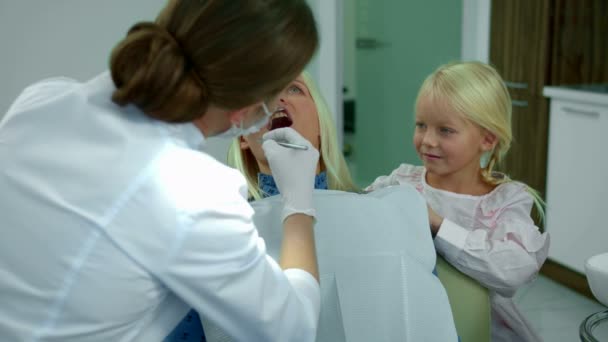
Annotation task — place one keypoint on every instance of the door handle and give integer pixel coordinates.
(519, 103)
(570, 110)
(370, 44)
(516, 85)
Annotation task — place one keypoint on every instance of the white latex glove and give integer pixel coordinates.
(293, 170)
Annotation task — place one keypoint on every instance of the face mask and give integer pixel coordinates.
(237, 131)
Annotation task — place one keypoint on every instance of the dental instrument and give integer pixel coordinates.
(294, 146)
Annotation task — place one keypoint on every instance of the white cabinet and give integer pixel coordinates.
(577, 176)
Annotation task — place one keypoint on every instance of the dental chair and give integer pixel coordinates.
(469, 300)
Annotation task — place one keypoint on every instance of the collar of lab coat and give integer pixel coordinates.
(188, 133)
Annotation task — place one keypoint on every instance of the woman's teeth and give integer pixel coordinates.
(279, 120)
(278, 114)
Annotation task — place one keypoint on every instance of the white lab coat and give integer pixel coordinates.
(113, 224)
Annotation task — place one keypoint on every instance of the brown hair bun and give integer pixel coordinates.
(150, 70)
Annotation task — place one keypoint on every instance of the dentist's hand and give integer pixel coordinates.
(293, 170)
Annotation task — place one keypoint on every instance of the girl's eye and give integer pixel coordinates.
(420, 125)
(446, 130)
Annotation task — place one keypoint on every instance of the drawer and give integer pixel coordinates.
(577, 187)
(567, 108)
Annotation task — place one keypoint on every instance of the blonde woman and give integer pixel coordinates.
(301, 107)
(480, 218)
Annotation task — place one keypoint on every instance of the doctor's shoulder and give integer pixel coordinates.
(195, 175)
(42, 92)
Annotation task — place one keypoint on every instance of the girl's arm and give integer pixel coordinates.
(505, 253)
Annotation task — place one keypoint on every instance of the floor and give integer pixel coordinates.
(555, 311)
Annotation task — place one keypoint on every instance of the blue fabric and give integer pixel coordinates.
(269, 187)
(190, 328)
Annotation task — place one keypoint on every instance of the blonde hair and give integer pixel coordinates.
(332, 160)
(478, 92)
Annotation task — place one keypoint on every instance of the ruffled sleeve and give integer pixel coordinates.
(505, 249)
(404, 174)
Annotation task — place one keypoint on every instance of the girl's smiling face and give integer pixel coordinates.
(294, 108)
(448, 144)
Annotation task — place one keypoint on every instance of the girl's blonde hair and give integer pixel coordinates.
(478, 92)
(332, 160)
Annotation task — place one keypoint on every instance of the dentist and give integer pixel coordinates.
(113, 223)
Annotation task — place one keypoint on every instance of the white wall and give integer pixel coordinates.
(61, 38)
(476, 30)
(326, 67)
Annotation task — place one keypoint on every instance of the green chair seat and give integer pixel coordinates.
(469, 300)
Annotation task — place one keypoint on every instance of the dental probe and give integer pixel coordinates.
(294, 146)
(289, 145)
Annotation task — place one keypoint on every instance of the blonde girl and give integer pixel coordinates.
(480, 218)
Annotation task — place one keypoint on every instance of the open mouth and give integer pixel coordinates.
(279, 119)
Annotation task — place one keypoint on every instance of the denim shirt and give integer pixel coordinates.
(269, 187)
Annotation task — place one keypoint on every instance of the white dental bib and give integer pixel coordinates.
(376, 258)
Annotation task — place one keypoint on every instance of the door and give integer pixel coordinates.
(519, 41)
(398, 43)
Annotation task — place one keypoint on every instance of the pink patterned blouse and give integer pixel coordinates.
(491, 238)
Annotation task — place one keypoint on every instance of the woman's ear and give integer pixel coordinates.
(238, 115)
(243, 143)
